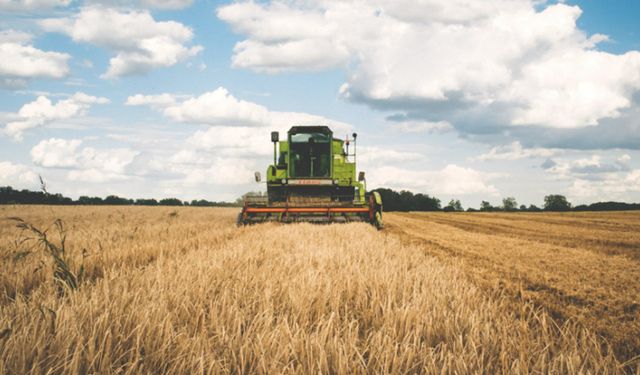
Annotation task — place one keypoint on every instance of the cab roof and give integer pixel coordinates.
(310, 129)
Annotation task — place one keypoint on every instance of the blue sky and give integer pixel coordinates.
(474, 100)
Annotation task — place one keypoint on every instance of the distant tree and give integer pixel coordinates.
(534, 208)
(9, 195)
(84, 200)
(58, 199)
(611, 206)
(509, 204)
(454, 205)
(170, 202)
(556, 202)
(471, 209)
(407, 201)
(486, 206)
(146, 202)
(523, 207)
(423, 202)
(116, 200)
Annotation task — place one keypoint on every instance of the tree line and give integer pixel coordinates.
(407, 201)
(392, 200)
(8, 195)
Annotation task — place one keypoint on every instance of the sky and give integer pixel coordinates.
(467, 99)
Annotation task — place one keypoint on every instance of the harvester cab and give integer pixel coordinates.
(313, 179)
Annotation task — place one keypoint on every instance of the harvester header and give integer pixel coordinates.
(313, 179)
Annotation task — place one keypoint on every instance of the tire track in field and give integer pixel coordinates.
(587, 234)
(600, 291)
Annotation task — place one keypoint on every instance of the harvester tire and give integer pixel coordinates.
(378, 221)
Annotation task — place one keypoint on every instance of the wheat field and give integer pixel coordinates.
(182, 290)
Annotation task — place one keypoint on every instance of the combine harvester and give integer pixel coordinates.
(313, 180)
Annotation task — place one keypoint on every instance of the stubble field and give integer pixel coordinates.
(182, 290)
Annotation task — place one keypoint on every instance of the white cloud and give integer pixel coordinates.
(220, 171)
(423, 126)
(589, 168)
(191, 166)
(596, 178)
(451, 180)
(372, 155)
(15, 36)
(139, 42)
(31, 5)
(167, 4)
(94, 175)
(157, 4)
(515, 151)
(525, 62)
(155, 101)
(284, 38)
(113, 161)
(56, 152)
(20, 61)
(16, 175)
(614, 187)
(574, 88)
(86, 164)
(220, 108)
(42, 112)
(233, 141)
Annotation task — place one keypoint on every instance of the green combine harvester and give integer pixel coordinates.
(312, 179)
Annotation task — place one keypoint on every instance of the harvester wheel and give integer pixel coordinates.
(378, 221)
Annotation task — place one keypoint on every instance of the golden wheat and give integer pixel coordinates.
(184, 291)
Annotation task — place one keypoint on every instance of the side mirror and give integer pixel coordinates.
(258, 177)
(275, 136)
(361, 176)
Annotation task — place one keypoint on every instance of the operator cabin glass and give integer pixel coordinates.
(310, 155)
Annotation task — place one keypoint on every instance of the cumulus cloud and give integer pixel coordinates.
(596, 178)
(615, 187)
(157, 4)
(155, 101)
(515, 151)
(202, 169)
(514, 62)
(140, 43)
(20, 60)
(231, 141)
(167, 4)
(85, 164)
(220, 108)
(593, 168)
(451, 180)
(423, 127)
(56, 152)
(372, 155)
(16, 175)
(43, 111)
(239, 127)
